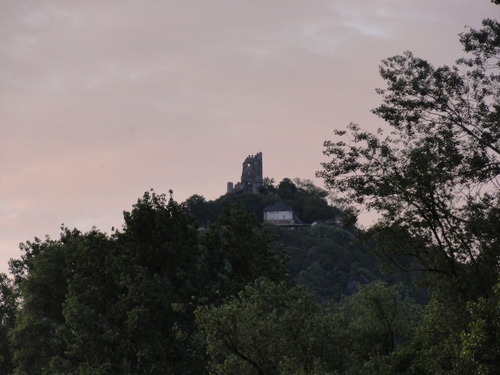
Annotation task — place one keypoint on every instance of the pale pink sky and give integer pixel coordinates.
(103, 100)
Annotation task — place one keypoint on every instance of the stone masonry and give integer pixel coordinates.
(251, 175)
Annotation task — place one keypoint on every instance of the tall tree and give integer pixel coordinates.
(135, 307)
(434, 179)
(266, 329)
(237, 249)
(8, 311)
(41, 278)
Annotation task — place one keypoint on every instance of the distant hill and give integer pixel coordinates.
(308, 201)
(324, 257)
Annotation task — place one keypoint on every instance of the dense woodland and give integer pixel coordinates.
(204, 287)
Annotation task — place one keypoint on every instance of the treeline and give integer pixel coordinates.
(331, 263)
(141, 299)
(308, 201)
(325, 258)
(164, 296)
(92, 303)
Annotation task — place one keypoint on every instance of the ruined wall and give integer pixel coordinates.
(251, 175)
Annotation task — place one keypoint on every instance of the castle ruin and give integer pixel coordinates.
(251, 176)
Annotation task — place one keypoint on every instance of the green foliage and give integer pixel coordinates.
(380, 325)
(381, 317)
(93, 303)
(428, 176)
(287, 189)
(238, 247)
(125, 303)
(267, 186)
(307, 200)
(481, 343)
(330, 262)
(197, 206)
(434, 182)
(41, 278)
(270, 329)
(266, 329)
(8, 311)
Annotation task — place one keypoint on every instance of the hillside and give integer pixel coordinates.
(324, 257)
(308, 201)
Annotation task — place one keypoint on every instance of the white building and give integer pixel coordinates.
(279, 214)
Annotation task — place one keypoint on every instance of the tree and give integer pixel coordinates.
(237, 250)
(8, 311)
(197, 206)
(41, 279)
(91, 329)
(481, 344)
(143, 303)
(309, 187)
(334, 264)
(267, 186)
(436, 172)
(287, 189)
(124, 303)
(381, 320)
(269, 328)
(434, 179)
(266, 329)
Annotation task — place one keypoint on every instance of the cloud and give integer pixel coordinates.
(103, 100)
(363, 20)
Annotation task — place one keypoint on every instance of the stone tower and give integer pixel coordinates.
(251, 175)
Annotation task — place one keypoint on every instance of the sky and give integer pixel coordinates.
(102, 100)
